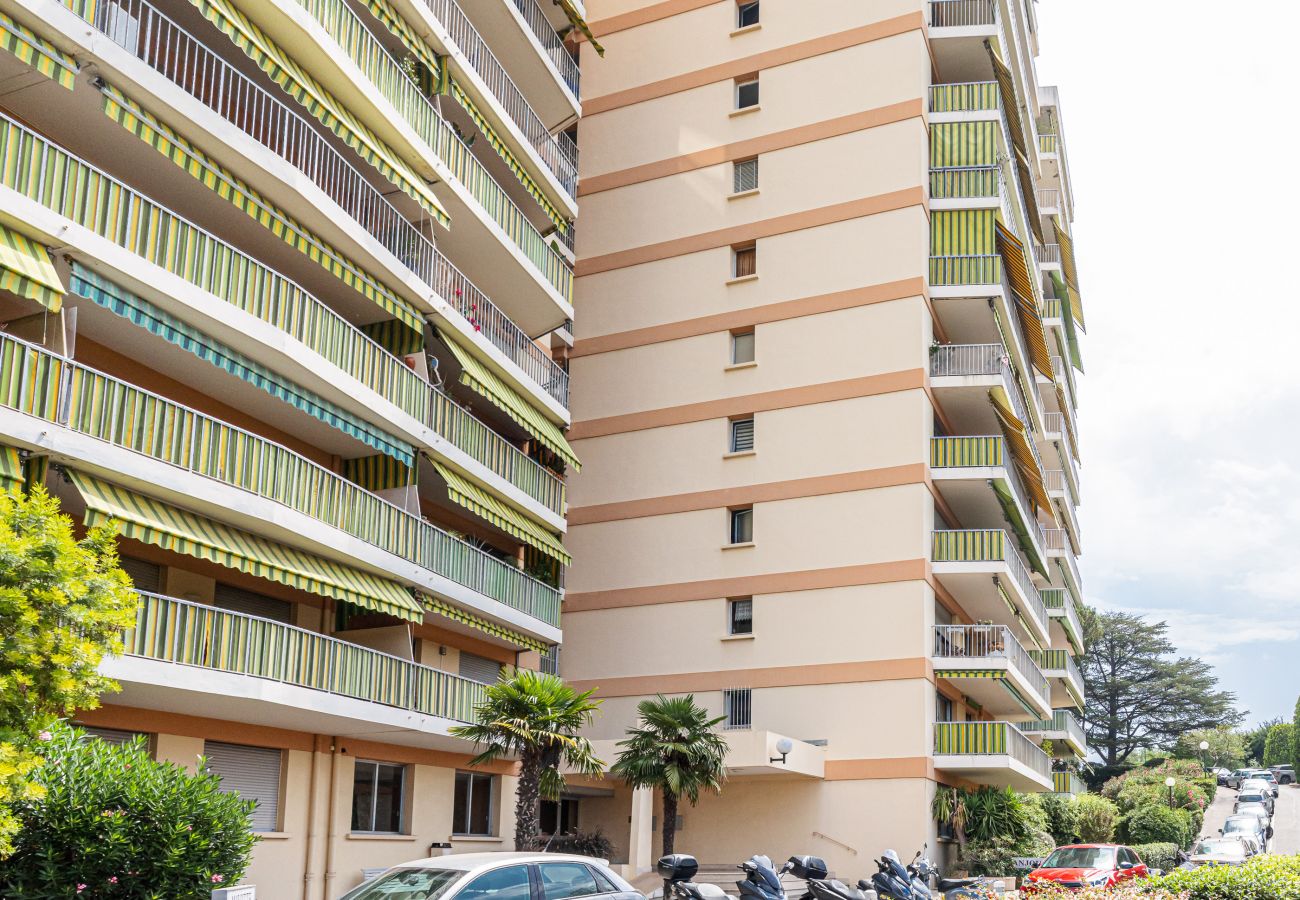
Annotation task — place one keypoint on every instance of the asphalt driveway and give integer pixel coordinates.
(1286, 817)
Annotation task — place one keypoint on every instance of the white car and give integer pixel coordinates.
(1219, 852)
(497, 876)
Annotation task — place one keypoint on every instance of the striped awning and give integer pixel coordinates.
(11, 470)
(378, 473)
(456, 614)
(1011, 109)
(37, 52)
(281, 68)
(26, 270)
(1022, 452)
(131, 116)
(487, 506)
(1065, 296)
(963, 144)
(1066, 244)
(988, 675)
(1018, 275)
(120, 301)
(578, 22)
(1022, 523)
(963, 232)
(145, 519)
(478, 377)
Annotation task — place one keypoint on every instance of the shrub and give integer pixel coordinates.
(1163, 856)
(1130, 890)
(1158, 825)
(993, 814)
(1062, 817)
(115, 823)
(1097, 818)
(1261, 878)
(583, 843)
(992, 857)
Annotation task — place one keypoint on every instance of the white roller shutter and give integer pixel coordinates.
(251, 772)
(479, 668)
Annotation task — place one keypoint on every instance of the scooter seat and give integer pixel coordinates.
(701, 891)
(947, 884)
(832, 889)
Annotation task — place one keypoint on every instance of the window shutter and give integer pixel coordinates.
(251, 772)
(110, 735)
(252, 604)
(144, 575)
(742, 435)
(479, 668)
(746, 175)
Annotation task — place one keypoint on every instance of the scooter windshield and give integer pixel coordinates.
(766, 875)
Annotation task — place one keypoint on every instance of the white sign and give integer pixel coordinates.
(1027, 862)
(243, 892)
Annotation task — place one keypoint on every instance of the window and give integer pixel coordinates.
(559, 816)
(747, 14)
(550, 660)
(942, 708)
(742, 435)
(742, 348)
(737, 708)
(744, 175)
(747, 92)
(472, 807)
(378, 797)
(252, 604)
(145, 576)
(563, 880)
(740, 615)
(508, 883)
(111, 735)
(744, 261)
(251, 772)
(742, 525)
(479, 668)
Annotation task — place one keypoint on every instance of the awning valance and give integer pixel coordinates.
(1019, 278)
(1065, 296)
(482, 503)
(281, 68)
(477, 376)
(1019, 152)
(456, 614)
(1067, 265)
(577, 21)
(118, 300)
(26, 270)
(37, 52)
(154, 522)
(11, 470)
(1022, 452)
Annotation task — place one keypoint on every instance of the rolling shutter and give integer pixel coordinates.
(251, 772)
(110, 735)
(144, 575)
(253, 604)
(479, 668)
(742, 435)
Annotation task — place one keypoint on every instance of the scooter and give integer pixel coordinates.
(893, 881)
(762, 881)
(812, 869)
(677, 870)
(924, 873)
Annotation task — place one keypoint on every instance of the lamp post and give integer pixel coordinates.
(1205, 765)
(1169, 783)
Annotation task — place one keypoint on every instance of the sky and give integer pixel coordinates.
(1180, 127)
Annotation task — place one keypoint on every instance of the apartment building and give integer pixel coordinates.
(824, 373)
(286, 294)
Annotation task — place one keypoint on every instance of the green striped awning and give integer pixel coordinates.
(1066, 244)
(477, 376)
(1016, 266)
(37, 52)
(127, 113)
(378, 473)
(578, 22)
(144, 519)
(456, 614)
(963, 232)
(395, 336)
(122, 302)
(1065, 295)
(281, 68)
(963, 144)
(485, 505)
(11, 470)
(26, 270)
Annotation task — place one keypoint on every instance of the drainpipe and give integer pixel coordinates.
(331, 831)
(308, 876)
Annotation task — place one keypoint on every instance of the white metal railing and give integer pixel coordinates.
(965, 182)
(1058, 539)
(990, 545)
(737, 709)
(1054, 479)
(1062, 721)
(1049, 253)
(560, 58)
(980, 359)
(961, 13)
(990, 642)
(1061, 599)
(1049, 198)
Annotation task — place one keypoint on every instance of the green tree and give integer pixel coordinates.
(949, 808)
(1139, 694)
(536, 717)
(675, 747)
(1227, 747)
(63, 605)
(1295, 737)
(1279, 748)
(1256, 738)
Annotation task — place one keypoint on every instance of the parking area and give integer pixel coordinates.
(1286, 817)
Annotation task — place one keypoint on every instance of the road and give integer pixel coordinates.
(1286, 817)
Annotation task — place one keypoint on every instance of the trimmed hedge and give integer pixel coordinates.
(1161, 856)
(1159, 824)
(1261, 878)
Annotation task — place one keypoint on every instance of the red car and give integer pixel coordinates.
(1088, 865)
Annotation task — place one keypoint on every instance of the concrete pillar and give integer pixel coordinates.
(640, 842)
(184, 751)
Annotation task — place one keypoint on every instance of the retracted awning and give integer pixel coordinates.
(963, 232)
(26, 270)
(38, 53)
(999, 675)
(477, 376)
(963, 144)
(11, 470)
(465, 493)
(1065, 296)
(1066, 244)
(378, 473)
(1022, 451)
(154, 522)
(456, 614)
(144, 125)
(1020, 153)
(1068, 420)
(118, 300)
(578, 22)
(281, 68)
(1018, 275)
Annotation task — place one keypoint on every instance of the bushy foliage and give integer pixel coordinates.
(114, 823)
(1001, 825)
(1062, 813)
(1261, 878)
(1163, 856)
(583, 843)
(1129, 890)
(1097, 818)
(1156, 824)
(1279, 746)
(1227, 746)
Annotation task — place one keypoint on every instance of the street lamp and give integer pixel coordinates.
(1205, 766)
(1169, 783)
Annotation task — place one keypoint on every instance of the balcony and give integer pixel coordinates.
(1049, 201)
(965, 373)
(961, 14)
(993, 668)
(964, 183)
(1068, 783)
(1061, 547)
(1063, 674)
(1062, 728)
(86, 402)
(1049, 256)
(983, 570)
(991, 753)
(1063, 614)
(556, 53)
(1049, 145)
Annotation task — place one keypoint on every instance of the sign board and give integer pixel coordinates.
(1027, 862)
(243, 892)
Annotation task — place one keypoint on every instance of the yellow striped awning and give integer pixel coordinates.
(26, 270)
(38, 53)
(963, 232)
(578, 22)
(1022, 452)
(11, 470)
(1067, 266)
(154, 522)
(281, 68)
(129, 114)
(963, 144)
(456, 614)
(1018, 274)
(379, 472)
(478, 377)
(1020, 153)
(466, 493)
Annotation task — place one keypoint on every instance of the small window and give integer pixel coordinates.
(744, 175)
(737, 708)
(740, 615)
(744, 261)
(942, 708)
(508, 883)
(550, 660)
(742, 525)
(742, 348)
(563, 880)
(251, 772)
(742, 435)
(559, 816)
(378, 797)
(747, 92)
(472, 805)
(747, 14)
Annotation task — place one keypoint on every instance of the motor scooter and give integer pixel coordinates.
(893, 881)
(762, 881)
(677, 870)
(924, 873)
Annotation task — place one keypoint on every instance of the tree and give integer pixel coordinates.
(1256, 738)
(949, 808)
(536, 717)
(1139, 695)
(63, 605)
(1227, 747)
(1279, 747)
(675, 747)
(1295, 737)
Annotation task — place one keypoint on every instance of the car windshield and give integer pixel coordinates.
(1241, 823)
(1232, 848)
(1250, 797)
(1081, 858)
(407, 884)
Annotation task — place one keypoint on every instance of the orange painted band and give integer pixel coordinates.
(768, 677)
(871, 769)
(644, 16)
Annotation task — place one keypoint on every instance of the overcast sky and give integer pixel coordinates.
(1180, 127)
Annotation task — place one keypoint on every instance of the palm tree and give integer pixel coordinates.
(949, 808)
(676, 748)
(535, 717)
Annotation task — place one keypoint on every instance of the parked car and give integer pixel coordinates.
(1249, 824)
(498, 876)
(1266, 776)
(1088, 865)
(1222, 775)
(1250, 795)
(1285, 774)
(1221, 851)
(1237, 777)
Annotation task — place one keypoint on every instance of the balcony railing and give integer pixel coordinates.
(183, 59)
(1051, 308)
(990, 739)
(961, 13)
(961, 270)
(1059, 661)
(1049, 198)
(1068, 783)
(965, 182)
(1054, 480)
(980, 359)
(1060, 604)
(1062, 721)
(985, 642)
(1048, 254)
(968, 96)
(565, 64)
(990, 545)
(1048, 143)
(191, 634)
(39, 383)
(985, 451)
(1058, 539)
